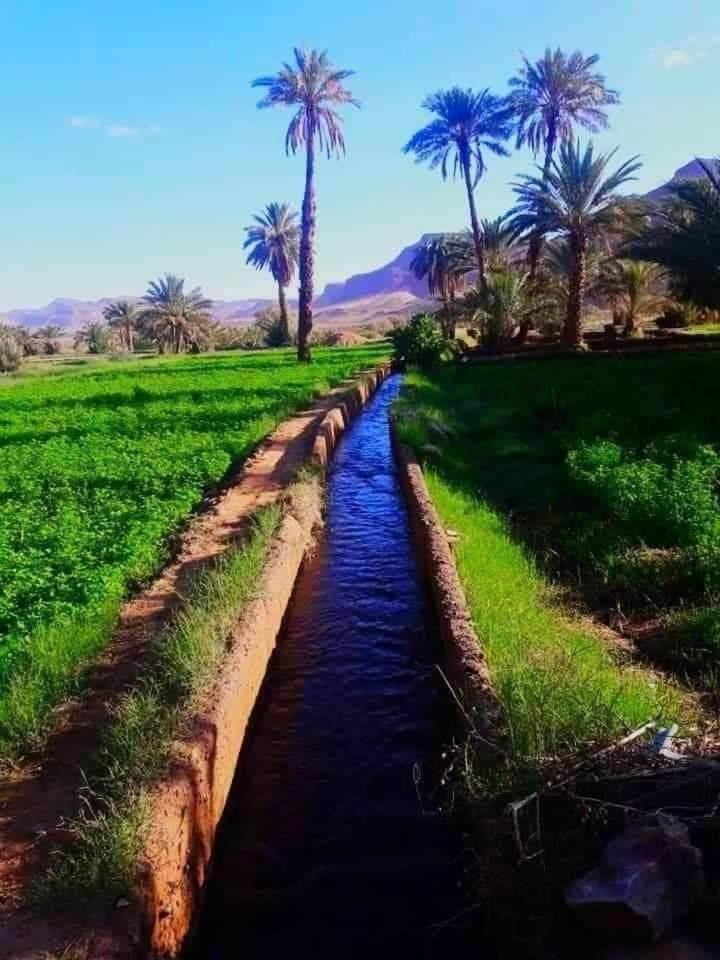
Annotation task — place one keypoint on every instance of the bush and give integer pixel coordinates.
(419, 342)
(11, 352)
(665, 497)
(270, 328)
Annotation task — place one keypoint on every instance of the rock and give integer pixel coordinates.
(648, 877)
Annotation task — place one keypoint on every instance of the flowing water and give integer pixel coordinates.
(331, 845)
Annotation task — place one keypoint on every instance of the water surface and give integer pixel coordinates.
(331, 845)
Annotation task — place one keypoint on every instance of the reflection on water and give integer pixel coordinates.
(330, 846)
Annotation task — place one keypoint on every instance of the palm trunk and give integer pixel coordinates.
(307, 238)
(572, 335)
(450, 317)
(284, 322)
(478, 239)
(536, 239)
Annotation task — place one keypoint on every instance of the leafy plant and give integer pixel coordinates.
(509, 301)
(95, 336)
(666, 495)
(11, 351)
(419, 342)
(272, 328)
(97, 472)
(174, 319)
(633, 288)
(123, 317)
(443, 261)
(683, 236)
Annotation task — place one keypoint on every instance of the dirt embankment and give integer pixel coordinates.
(466, 668)
(187, 806)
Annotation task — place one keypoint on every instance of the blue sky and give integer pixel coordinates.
(132, 146)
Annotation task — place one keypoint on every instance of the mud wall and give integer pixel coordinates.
(466, 668)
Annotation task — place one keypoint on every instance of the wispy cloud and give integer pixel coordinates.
(693, 50)
(677, 58)
(111, 129)
(83, 123)
(121, 130)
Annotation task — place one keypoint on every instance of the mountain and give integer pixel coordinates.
(388, 291)
(394, 277)
(691, 171)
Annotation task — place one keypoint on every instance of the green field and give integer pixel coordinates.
(98, 468)
(597, 475)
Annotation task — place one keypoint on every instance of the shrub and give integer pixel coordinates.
(11, 352)
(665, 497)
(227, 338)
(419, 342)
(269, 325)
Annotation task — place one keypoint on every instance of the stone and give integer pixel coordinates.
(648, 877)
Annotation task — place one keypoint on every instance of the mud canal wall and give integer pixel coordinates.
(466, 668)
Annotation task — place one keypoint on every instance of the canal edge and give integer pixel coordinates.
(466, 669)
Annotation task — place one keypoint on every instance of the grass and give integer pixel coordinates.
(98, 469)
(557, 680)
(111, 831)
(703, 328)
(498, 443)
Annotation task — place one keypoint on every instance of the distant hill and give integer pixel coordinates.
(691, 171)
(388, 291)
(394, 277)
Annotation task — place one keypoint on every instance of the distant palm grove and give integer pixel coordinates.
(572, 236)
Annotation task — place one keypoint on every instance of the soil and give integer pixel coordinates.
(41, 792)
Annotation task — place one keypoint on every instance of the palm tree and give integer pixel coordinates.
(549, 99)
(556, 271)
(509, 300)
(48, 335)
(683, 236)
(499, 242)
(123, 316)
(442, 260)
(50, 331)
(28, 340)
(466, 124)
(575, 200)
(173, 318)
(314, 89)
(274, 244)
(93, 335)
(633, 287)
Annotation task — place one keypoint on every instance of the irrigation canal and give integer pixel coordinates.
(331, 845)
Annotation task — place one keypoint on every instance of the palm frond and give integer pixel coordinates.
(313, 86)
(466, 123)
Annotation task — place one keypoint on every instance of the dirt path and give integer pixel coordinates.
(43, 791)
